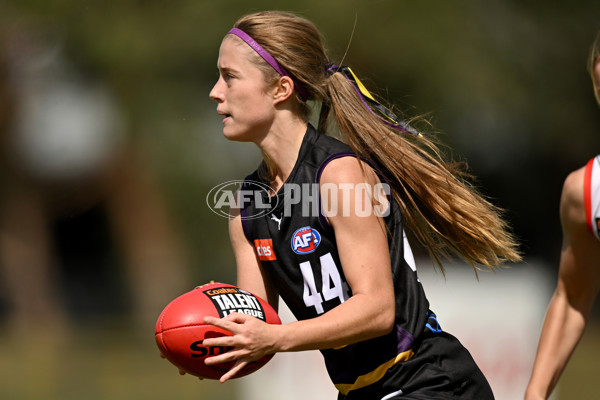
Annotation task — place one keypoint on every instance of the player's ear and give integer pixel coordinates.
(284, 88)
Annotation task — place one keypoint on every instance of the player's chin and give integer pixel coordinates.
(235, 135)
(231, 133)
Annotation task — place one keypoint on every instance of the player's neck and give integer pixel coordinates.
(282, 146)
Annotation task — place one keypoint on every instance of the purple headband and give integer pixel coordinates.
(269, 59)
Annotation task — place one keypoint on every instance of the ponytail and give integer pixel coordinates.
(444, 212)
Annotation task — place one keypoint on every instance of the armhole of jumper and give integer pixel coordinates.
(244, 222)
(322, 218)
(244, 210)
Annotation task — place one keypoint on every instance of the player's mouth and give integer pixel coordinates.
(224, 115)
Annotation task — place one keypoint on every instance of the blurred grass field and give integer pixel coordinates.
(93, 364)
(120, 363)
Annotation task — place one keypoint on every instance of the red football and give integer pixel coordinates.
(180, 328)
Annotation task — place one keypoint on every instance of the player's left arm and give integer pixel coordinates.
(364, 255)
(361, 240)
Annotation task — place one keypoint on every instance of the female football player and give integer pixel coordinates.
(344, 267)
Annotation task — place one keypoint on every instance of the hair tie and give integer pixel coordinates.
(269, 59)
(373, 105)
(331, 69)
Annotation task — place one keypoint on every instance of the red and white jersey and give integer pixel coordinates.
(591, 194)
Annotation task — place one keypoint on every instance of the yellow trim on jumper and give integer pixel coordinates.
(375, 375)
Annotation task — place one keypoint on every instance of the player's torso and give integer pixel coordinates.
(297, 251)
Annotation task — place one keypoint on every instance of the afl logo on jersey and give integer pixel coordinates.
(305, 240)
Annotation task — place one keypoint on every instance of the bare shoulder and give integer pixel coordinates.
(572, 206)
(573, 185)
(579, 272)
(348, 170)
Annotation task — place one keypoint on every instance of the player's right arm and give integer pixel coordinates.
(250, 275)
(577, 287)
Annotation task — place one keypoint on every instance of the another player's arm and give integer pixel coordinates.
(249, 273)
(577, 287)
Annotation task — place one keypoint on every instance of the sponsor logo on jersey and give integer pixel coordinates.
(229, 300)
(264, 249)
(305, 240)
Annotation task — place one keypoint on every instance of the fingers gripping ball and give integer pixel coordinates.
(180, 329)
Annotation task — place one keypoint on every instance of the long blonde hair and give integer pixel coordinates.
(439, 206)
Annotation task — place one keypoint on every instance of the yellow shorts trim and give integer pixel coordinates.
(375, 375)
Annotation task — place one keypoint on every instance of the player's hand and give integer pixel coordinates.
(252, 339)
